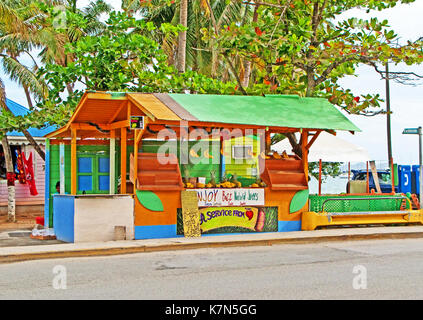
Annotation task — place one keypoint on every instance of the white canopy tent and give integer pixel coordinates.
(328, 148)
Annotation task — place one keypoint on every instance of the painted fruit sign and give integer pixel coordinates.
(233, 220)
(245, 217)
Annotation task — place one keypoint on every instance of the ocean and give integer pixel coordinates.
(329, 185)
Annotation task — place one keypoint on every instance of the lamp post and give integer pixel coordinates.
(419, 132)
(420, 167)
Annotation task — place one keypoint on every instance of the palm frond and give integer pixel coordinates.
(21, 74)
(2, 94)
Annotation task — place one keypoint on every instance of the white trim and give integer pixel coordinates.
(112, 172)
(246, 155)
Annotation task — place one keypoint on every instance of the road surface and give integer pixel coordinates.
(376, 269)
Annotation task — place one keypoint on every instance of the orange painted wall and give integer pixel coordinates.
(172, 200)
(282, 200)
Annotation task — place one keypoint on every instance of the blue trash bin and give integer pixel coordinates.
(416, 173)
(404, 178)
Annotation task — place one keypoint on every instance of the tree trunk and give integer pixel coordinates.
(28, 136)
(34, 144)
(11, 216)
(10, 174)
(311, 83)
(182, 41)
(247, 64)
(296, 146)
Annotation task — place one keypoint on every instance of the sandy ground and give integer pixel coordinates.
(26, 223)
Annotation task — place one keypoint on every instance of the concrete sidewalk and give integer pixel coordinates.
(63, 250)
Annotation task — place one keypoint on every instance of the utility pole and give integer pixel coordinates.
(388, 115)
(420, 167)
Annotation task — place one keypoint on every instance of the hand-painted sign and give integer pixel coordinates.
(232, 220)
(190, 214)
(230, 197)
(244, 217)
(137, 122)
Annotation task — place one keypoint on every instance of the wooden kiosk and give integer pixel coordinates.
(138, 152)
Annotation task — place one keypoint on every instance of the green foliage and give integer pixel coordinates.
(329, 169)
(294, 47)
(301, 47)
(123, 58)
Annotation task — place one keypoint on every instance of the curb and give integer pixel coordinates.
(9, 258)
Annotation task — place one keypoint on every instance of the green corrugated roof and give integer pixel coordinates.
(271, 110)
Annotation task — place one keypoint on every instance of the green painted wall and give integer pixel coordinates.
(202, 168)
(81, 150)
(245, 169)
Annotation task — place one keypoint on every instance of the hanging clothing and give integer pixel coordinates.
(29, 171)
(20, 168)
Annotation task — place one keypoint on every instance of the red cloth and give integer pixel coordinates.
(29, 170)
(21, 169)
(11, 177)
(39, 220)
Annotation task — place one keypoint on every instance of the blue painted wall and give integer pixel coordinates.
(64, 217)
(284, 226)
(47, 186)
(155, 232)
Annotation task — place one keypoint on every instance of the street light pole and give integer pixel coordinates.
(388, 116)
(420, 167)
(419, 132)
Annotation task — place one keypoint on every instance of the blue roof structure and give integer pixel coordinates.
(19, 110)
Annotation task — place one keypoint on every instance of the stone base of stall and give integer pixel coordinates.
(89, 218)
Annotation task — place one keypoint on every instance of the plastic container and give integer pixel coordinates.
(404, 178)
(416, 177)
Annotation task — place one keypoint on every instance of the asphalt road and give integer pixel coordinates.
(377, 269)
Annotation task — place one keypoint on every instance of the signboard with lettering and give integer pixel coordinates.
(233, 219)
(215, 197)
(411, 131)
(213, 218)
(191, 221)
(137, 122)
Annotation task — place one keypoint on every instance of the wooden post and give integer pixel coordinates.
(268, 141)
(47, 185)
(73, 161)
(112, 160)
(375, 176)
(135, 159)
(392, 175)
(137, 138)
(367, 177)
(304, 151)
(122, 160)
(320, 177)
(62, 167)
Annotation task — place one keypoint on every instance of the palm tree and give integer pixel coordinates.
(11, 48)
(199, 55)
(11, 216)
(182, 41)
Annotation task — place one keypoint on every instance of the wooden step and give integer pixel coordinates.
(160, 187)
(287, 177)
(284, 164)
(159, 174)
(150, 164)
(288, 187)
(147, 179)
(153, 175)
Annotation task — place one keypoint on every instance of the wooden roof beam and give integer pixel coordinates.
(310, 143)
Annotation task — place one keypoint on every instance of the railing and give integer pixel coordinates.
(401, 197)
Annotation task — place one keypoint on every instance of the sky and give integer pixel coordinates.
(406, 101)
